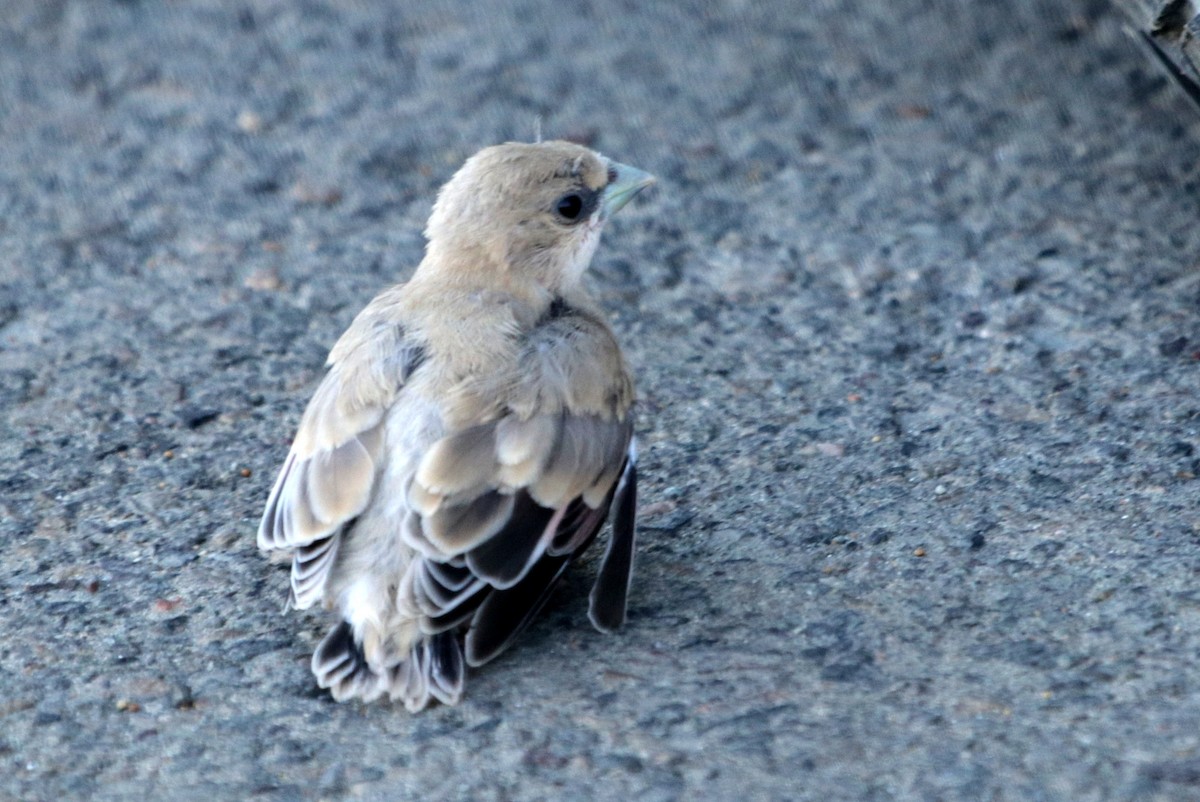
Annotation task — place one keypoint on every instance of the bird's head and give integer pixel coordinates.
(531, 211)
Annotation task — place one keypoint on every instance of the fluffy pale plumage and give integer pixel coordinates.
(470, 437)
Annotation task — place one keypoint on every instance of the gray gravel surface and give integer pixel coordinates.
(914, 311)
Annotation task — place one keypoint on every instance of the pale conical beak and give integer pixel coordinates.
(629, 182)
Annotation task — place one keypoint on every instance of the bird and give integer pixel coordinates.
(471, 436)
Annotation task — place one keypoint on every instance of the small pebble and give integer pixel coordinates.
(249, 122)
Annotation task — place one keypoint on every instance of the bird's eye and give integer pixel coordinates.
(569, 206)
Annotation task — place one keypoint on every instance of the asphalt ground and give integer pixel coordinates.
(914, 315)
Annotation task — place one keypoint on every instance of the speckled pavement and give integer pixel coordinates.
(915, 314)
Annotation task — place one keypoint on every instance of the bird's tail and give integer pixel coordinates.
(434, 669)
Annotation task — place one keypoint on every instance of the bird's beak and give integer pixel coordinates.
(629, 182)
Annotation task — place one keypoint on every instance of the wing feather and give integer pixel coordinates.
(517, 542)
(608, 599)
(451, 577)
(329, 475)
(516, 498)
(502, 560)
(436, 599)
(459, 528)
(504, 614)
(310, 565)
(339, 481)
(460, 463)
(524, 446)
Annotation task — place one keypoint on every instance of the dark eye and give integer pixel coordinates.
(569, 206)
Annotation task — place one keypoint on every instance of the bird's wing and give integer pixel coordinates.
(499, 509)
(330, 471)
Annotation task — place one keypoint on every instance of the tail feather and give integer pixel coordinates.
(447, 671)
(339, 665)
(433, 670)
